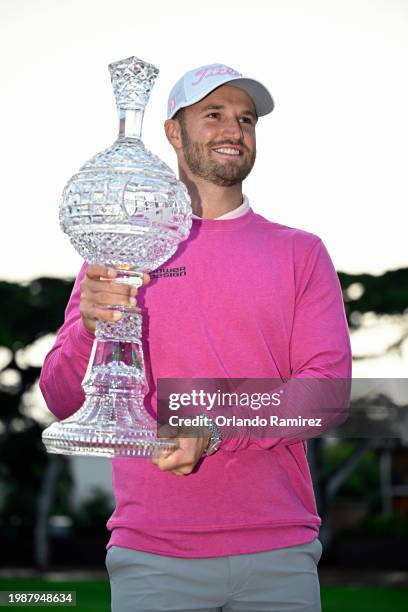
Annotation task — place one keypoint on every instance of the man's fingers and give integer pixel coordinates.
(160, 454)
(96, 271)
(179, 460)
(94, 312)
(108, 286)
(100, 314)
(114, 299)
(99, 285)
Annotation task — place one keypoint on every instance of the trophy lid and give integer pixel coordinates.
(132, 80)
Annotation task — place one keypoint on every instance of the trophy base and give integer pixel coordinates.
(67, 438)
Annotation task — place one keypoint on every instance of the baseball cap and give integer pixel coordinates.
(198, 83)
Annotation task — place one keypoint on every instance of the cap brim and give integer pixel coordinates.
(260, 96)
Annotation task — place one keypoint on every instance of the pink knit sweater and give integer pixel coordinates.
(252, 299)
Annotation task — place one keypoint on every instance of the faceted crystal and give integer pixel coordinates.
(132, 81)
(124, 208)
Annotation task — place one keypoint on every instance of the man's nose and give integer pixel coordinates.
(232, 128)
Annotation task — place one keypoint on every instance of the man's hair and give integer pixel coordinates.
(180, 116)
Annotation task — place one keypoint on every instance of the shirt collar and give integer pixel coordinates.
(242, 209)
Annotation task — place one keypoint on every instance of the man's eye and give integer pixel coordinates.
(213, 114)
(246, 119)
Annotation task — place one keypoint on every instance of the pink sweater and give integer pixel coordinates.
(253, 299)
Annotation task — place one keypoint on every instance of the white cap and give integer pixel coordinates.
(198, 83)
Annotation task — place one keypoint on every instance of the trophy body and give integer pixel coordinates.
(125, 209)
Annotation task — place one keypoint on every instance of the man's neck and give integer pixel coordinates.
(210, 201)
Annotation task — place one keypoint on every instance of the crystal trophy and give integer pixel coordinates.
(126, 209)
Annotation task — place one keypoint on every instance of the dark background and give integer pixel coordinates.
(361, 485)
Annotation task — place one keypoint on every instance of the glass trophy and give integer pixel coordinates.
(125, 209)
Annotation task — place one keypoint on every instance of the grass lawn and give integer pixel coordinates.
(95, 596)
(363, 599)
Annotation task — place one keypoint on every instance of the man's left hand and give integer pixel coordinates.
(182, 460)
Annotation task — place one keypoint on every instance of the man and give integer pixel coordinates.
(221, 523)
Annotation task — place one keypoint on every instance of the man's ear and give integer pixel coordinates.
(173, 133)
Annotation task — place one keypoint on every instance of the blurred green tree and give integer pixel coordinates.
(28, 312)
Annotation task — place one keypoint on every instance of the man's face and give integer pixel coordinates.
(218, 136)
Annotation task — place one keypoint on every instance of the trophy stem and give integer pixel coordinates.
(117, 364)
(130, 123)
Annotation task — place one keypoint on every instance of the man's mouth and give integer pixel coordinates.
(228, 151)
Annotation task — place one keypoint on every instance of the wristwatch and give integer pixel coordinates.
(215, 440)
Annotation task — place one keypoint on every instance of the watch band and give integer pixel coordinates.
(215, 440)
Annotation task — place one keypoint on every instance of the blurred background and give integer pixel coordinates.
(331, 160)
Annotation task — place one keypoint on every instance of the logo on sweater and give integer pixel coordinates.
(168, 272)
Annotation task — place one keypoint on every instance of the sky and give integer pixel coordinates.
(331, 156)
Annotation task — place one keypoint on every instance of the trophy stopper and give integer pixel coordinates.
(132, 81)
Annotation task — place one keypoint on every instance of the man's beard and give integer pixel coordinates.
(200, 162)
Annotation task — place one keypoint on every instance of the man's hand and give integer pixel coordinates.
(183, 460)
(99, 290)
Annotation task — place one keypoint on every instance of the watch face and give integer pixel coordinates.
(215, 443)
(214, 448)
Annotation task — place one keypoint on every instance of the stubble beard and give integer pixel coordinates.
(199, 160)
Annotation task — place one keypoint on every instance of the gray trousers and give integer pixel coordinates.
(283, 580)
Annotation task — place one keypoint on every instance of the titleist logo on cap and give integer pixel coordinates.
(212, 71)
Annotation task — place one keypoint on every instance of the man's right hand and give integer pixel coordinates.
(99, 290)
